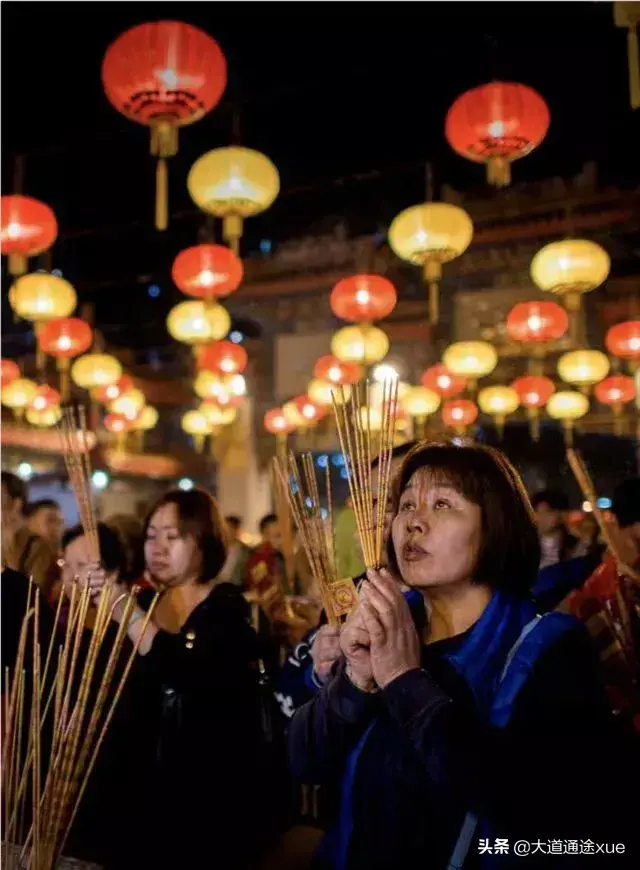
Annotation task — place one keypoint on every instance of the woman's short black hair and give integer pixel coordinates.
(112, 552)
(199, 517)
(509, 555)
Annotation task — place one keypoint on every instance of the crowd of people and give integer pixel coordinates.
(483, 689)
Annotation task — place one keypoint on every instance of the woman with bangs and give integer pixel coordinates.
(471, 723)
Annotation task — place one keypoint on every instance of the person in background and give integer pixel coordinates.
(26, 552)
(44, 520)
(238, 555)
(557, 544)
(129, 531)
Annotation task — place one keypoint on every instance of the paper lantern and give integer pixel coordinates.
(567, 406)
(108, 394)
(207, 271)
(195, 323)
(28, 227)
(196, 424)
(363, 298)
(583, 368)
(336, 371)
(233, 184)
(458, 414)
(117, 423)
(277, 423)
(19, 394)
(623, 340)
(65, 338)
(364, 344)
(96, 370)
(324, 393)
(147, 419)
(293, 416)
(499, 402)
(439, 379)
(429, 235)
(224, 357)
(45, 397)
(616, 391)
(470, 359)
(164, 74)
(420, 403)
(216, 415)
(496, 124)
(537, 322)
(534, 391)
(45, 417)
(10, 372)
(128, 404)
(309, 411)
(225, 389)
(40, 297)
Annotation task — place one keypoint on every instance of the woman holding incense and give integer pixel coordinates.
(205, 769)
(474, 722)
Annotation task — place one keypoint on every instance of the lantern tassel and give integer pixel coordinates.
(633, 56)
(567, 425)
(232, 231)
(434, 303)
(63, 369)
(498, 172)
(17, 264)
(534, 423)
(162, 195)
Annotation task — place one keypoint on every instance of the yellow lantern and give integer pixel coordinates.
(195, 423)
(471, 360)
(44, 417)
(420, 403)
(194, 322)
(222, 388)
(128, 404)
(360, 344)
(583, 368)
(371, 417)
(499, 402)
(321, 391)
(569, 269)
(216, 415)
(146, 419)
(567, 406)
(233, 184)
(293, 416)
(96, 370)
(19, 394)
(40, 297)
(429, 235)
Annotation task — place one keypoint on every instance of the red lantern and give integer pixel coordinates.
(534, 391)
(27, 228)
(106, 395)
(363, 298)
(10, 371)
(164, 74)
(495, 124)
(223, 357)
(623, 340)
(537, 321)
(207, 271)
(276, 423)
(616, 391)
(330, 368)
(308, 410)
(45, 397)
(443, 382)
(64, 338)
(459, 413)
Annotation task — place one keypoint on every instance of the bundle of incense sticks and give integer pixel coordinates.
(285, 522)
(358, 441)
(71, 699)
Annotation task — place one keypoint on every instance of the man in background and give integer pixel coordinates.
(44, 520)
(557, 544)
(238, 554)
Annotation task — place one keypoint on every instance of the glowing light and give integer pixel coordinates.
(444, 382)
(604, 503)
(100, 479)
(169, 78)
(535, 323)
(64, 342)
(363, 296)
(25, 471)
(586, 507)
(185, 484)
(385, 372)
(14, 230)
(496, 129)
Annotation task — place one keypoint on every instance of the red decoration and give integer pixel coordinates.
(164, 74)
(330, 368)
(223, 357)
(537, 321)
(623, 340)
(459, 413)
(27, 228)
(65, 337)
(117, 423)
(106, 395)
(615, 390)
(10, 371)
(495, 124)
(443, 382)
(534, 391)
(276, 422)
(46, 397)
(308, 409)
(363, 298)
(207, 271)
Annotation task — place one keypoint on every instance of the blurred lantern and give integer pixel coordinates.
(27, 228)
(623, 340)
(443, 382)
(499, 402)
(378, 389)
(293, 416)
(233, 184)
(217, 415)
(45, 397)
(18, 395)
(225, 389)
(196, 424)
(534, 391)
(567, 406)
(40, 297)
(496, 124)
(276, 423)
(332, 369)
(108, 394)
(627, 15)
(309, 411)
(458, 414)
(363, 298)
(616, 391)
(323, 392)
(128, 404)
(96, 370)
(471, 360)
(118, 425)
(569, 269)
(44, 417)
(10, 372)
(64, 339)
(583, 368)
(224, 357)
(207, 272)
(364, 344)
(146, 420)
(420, 403)
(537, 323)
(429, 235)
(164, 74)
(195, 323)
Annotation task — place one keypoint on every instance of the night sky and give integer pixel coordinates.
(348, 100)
